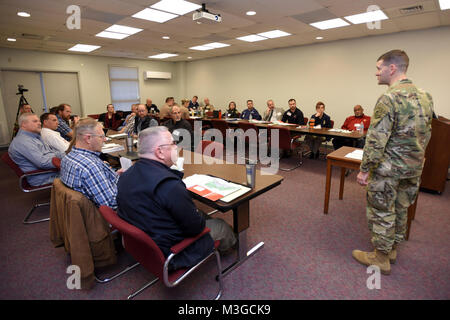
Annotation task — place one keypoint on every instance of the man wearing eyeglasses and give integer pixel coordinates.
(153, 197)
(82, 169)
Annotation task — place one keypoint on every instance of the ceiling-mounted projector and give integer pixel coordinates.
(203, 16)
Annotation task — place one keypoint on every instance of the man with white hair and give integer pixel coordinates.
(30, 153)
(153, 197)
(82, 169)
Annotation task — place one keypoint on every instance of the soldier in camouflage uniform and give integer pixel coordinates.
(393, 158)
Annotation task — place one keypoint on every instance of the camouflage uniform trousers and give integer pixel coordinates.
(388, 200)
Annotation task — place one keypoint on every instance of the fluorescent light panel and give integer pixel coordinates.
(163, 56)
(274, 34)
(112, 35)
(23, 14)
(209, 46)
(83, 48)
(123, 29)
(11, 39)
(444, 4)
(154, 15)
(330, 24)
(367, 17)
(252, 38)
(201, 48)
(179, 7)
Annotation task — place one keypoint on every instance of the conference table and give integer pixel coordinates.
(338, 159)
(240, 206)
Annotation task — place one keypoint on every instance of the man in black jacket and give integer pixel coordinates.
(180, 129)
(143, 120)
(153, 197)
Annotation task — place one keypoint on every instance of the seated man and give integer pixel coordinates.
(82, 169)
(349, 124)
(111, 119)
(177, 122)
(322, 119)
(24, 108)
(193, 104)
(272, 113)
(207, 106)
(128, 124)
(151, 107)
(250, 113)
(49, 134)
(63, 115)
(30, 153)
(162, 206)
(143, 120)
(293, 114)
(165, 110)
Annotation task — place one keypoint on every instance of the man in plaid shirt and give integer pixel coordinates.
(82, 169)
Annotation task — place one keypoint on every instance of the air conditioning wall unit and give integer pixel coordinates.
(157, 75)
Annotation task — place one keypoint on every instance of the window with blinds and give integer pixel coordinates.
(124, 84)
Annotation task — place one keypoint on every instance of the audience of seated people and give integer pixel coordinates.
(293, 115)
(184, 109)
(63, 113)
(49, 134)
(30, 153)
(162, 206)
(176, 123)
(24, 108)
(207, 106)
(349, 124)
(111, 119)
(152, 108)
(232, 112)
(128, 124)
(165, 110)
(320, 119)
(193, 104)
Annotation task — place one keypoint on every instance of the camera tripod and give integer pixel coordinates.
(22, 101)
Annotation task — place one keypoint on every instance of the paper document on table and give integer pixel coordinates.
(243, 190)
(356, 154)
(279, 123)
(209, 187)
(340, 130)
(118, 135)
(112, 147)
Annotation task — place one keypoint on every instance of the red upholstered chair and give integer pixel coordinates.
(288, 142)
(26, 187)
(94, 116)
(144, 250)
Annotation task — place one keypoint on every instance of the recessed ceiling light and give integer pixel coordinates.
(252, 38)
(274, 34)
(444, 4)
(163, 55)
(367, 17)
(11, 39)
(250, 13)
(154, 15)
(201, 48)
(166, 37)
(176, 6)
(216, 45)
(123, 29)
(329, 24)
(23, 14)
(112, 35)
(83, 48)
(189, 57)
(319, 38)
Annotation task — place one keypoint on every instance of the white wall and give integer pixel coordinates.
(339, 73)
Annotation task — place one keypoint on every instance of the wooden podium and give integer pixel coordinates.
(437, 155)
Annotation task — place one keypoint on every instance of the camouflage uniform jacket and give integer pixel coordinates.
(399, 132)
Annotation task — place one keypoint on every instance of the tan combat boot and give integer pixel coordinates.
(393, 254)
(376, 258)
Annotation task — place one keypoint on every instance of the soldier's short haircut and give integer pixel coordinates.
(249, 101)
(397, 57)
(45, 116)
(169, 98)
(85, 126)
(292, 99)
(149, 138)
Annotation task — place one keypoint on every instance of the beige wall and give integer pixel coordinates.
(340, 73)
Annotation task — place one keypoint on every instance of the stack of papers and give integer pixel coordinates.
(112, 147)
(214, 188)
(357, 154)
(340, 130)
(279, 123)
(118, 135)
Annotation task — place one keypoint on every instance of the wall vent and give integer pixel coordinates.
(412, 10)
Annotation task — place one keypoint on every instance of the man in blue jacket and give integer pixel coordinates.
(153, 197)
(250, 113)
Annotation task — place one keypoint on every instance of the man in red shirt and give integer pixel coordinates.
(349, 124)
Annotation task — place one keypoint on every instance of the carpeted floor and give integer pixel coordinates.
(307, 255)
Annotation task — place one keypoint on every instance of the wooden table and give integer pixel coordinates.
(338, 159)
